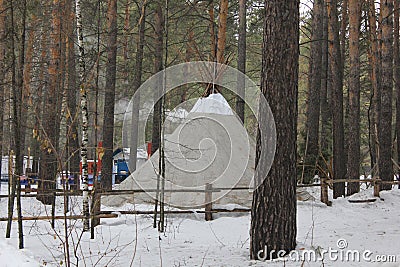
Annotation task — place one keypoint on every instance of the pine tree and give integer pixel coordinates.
(273, 214)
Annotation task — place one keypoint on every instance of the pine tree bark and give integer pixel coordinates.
(375, 77)
(343, 30)
(221, 43)
(51, 121)
(2, 74)
(109, 101)
(273, 214)
(241, 60)
(353, 158)
(314, 89)
(326, 127)
(385, 121)
(38, 108)
(336, 71)
(396, 62)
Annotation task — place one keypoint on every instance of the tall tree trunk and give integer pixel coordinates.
(18, 109)
(396, 56)
(51, 121)
(213, 42)
(326, 128)
(157, 113)
(353, 158)
(343, 30)
(27, 75)
(96, 198)
(158, 65)
(336, 71)
(375, 77)
(273, 215)
(136, 84)
(2, 74)
(126, 48)
(84, 110)
(39, 106)
(189, 53)
(72, 118)
(385, 122)
(109, 101)
(241, 60)
(314, 89)
(221, 43)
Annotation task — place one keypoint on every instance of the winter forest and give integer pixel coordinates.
(199, 133)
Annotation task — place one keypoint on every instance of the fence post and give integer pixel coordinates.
(324, 191)
(208, 202)
(377, 187)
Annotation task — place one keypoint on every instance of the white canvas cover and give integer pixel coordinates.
(209, 147)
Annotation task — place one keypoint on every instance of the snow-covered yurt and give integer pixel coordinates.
(210, 146)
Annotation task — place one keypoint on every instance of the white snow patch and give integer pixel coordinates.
(191, 241)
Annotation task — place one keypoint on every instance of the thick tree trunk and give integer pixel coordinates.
(375, 77)
(109, 101)
(353, 159)
(385, 122)
(2, 74)
(336, 71)
(396, 56)
(51, 121)
(39, 106)
(343, 30)
(136, 84)
(314, 89)
(326, 127)
(241, 60)
(273, 215)
(221, 43)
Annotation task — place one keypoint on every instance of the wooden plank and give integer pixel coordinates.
(144, 212)
(61, 217)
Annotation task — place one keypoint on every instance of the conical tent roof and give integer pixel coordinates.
(211, 146)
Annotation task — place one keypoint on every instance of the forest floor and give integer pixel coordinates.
(372, 229)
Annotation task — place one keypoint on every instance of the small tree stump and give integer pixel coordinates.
(324, 192)
(208, 202)
(377, 187)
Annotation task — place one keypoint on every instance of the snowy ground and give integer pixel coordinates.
(190, 241)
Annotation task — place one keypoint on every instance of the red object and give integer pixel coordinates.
(91, 167)
(149, 149)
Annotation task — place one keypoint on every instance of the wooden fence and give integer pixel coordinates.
(208, 191)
